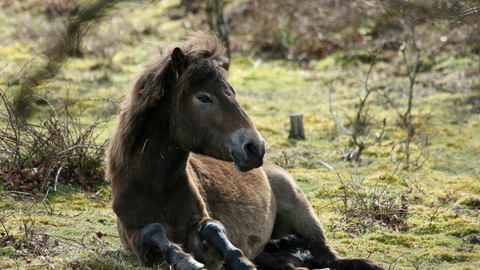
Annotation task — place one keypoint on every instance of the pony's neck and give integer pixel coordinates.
(168, 160)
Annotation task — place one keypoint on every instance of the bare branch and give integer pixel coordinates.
(333, 115)
(441, 88)
(324, 164)
(379, 137)
(356, 131)
(394, 106)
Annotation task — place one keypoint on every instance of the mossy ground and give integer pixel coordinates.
(442, 196)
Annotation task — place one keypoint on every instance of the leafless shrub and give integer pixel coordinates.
(59, 150)
(405, 119)
(361, 116)
(363, 208)
(286, 160)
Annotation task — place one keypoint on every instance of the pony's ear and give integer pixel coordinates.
(178, 62)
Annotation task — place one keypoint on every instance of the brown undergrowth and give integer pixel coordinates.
(57, 149)
(364, 208)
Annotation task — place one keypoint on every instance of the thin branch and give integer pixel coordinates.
(441, 88)
(53, 109)
(379, 137)
(96, 99)
(413, 74)
(324, 164)
(407, 117)
(333, 115)
(56, 178)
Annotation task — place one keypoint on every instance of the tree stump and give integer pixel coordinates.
(296, 127)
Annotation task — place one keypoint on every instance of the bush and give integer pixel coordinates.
(59, 150)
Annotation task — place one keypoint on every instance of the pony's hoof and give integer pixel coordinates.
(243, 264)
(188, 263)
(357, 264)
(236, 261)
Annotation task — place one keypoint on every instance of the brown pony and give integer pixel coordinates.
(175, 190)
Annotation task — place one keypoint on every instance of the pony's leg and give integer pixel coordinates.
(214, 233)
(287, 253)
(278, 261)
(153, 237)
(295, 216)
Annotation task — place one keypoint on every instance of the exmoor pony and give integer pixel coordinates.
(190, 188)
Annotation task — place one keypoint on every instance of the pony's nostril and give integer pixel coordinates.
(251, 149)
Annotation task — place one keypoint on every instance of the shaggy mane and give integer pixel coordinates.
(203, 53)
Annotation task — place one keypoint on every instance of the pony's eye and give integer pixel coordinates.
(204, 98)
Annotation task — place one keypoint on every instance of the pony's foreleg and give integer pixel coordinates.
(303, 222)
(295, 216)
(153, 236)
(305, 225)
(214, 233)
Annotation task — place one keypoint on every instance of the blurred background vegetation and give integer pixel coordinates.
(389, 89)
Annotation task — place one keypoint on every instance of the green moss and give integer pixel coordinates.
(471, 201)
(461, 227)
(384, 178)
(453, 258)
(16, 52)
(396, 239)
(8, 251)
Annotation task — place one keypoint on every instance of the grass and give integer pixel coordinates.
(441, 198)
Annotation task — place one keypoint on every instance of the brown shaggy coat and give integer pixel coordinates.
(175, 189)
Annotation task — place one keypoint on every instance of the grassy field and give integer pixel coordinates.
(422, 215)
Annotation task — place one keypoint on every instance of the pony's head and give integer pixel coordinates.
(203, 113)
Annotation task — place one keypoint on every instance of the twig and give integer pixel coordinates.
(391, 103)
(324, 164)
(65, 240)
(53, 109)
(348, 132)
(414, 264)
(389, 180)
(379, 137)
(43, 201)
(21, 70)
(433, 215)
(441, 88)
(56, 178)
(48, 263)
(395, 262)
(78, 146)
(19, 192)
(331, 203)
(407, 117)
(96, 99)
